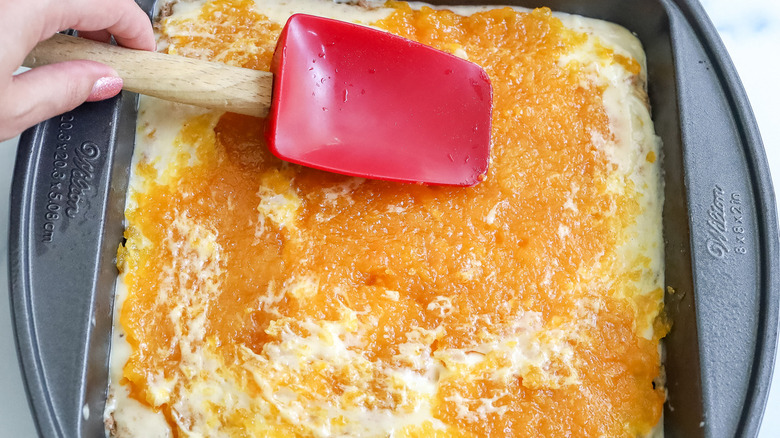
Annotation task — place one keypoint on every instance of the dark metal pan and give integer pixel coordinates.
(719, 220)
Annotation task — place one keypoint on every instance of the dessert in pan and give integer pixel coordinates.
(262, 298)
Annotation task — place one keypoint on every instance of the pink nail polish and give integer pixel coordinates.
(104, 88)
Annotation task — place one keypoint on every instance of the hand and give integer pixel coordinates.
(44, 92)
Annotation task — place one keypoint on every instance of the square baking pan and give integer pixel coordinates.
(719, 219)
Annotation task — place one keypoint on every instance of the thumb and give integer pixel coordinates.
(53, 89)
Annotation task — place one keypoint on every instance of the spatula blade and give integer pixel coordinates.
(359, 101)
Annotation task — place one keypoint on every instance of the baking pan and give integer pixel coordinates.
(720, 228)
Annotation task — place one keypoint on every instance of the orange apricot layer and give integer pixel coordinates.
(492, 250)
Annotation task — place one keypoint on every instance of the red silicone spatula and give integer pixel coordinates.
(340, 97)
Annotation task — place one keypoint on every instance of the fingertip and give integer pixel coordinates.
(148, 43)
(104, 88)
(134, 29)
(124, 19)
(143, 40)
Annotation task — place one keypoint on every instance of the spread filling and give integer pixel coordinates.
(261, 298)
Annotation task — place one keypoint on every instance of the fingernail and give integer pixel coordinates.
(104, 88)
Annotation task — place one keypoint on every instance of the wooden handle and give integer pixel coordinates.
(169, 77)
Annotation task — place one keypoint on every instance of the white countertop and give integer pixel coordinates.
(751, 32)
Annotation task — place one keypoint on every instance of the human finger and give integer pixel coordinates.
(123, 19)
(27, 23)
(47, 91)
(96, 35)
